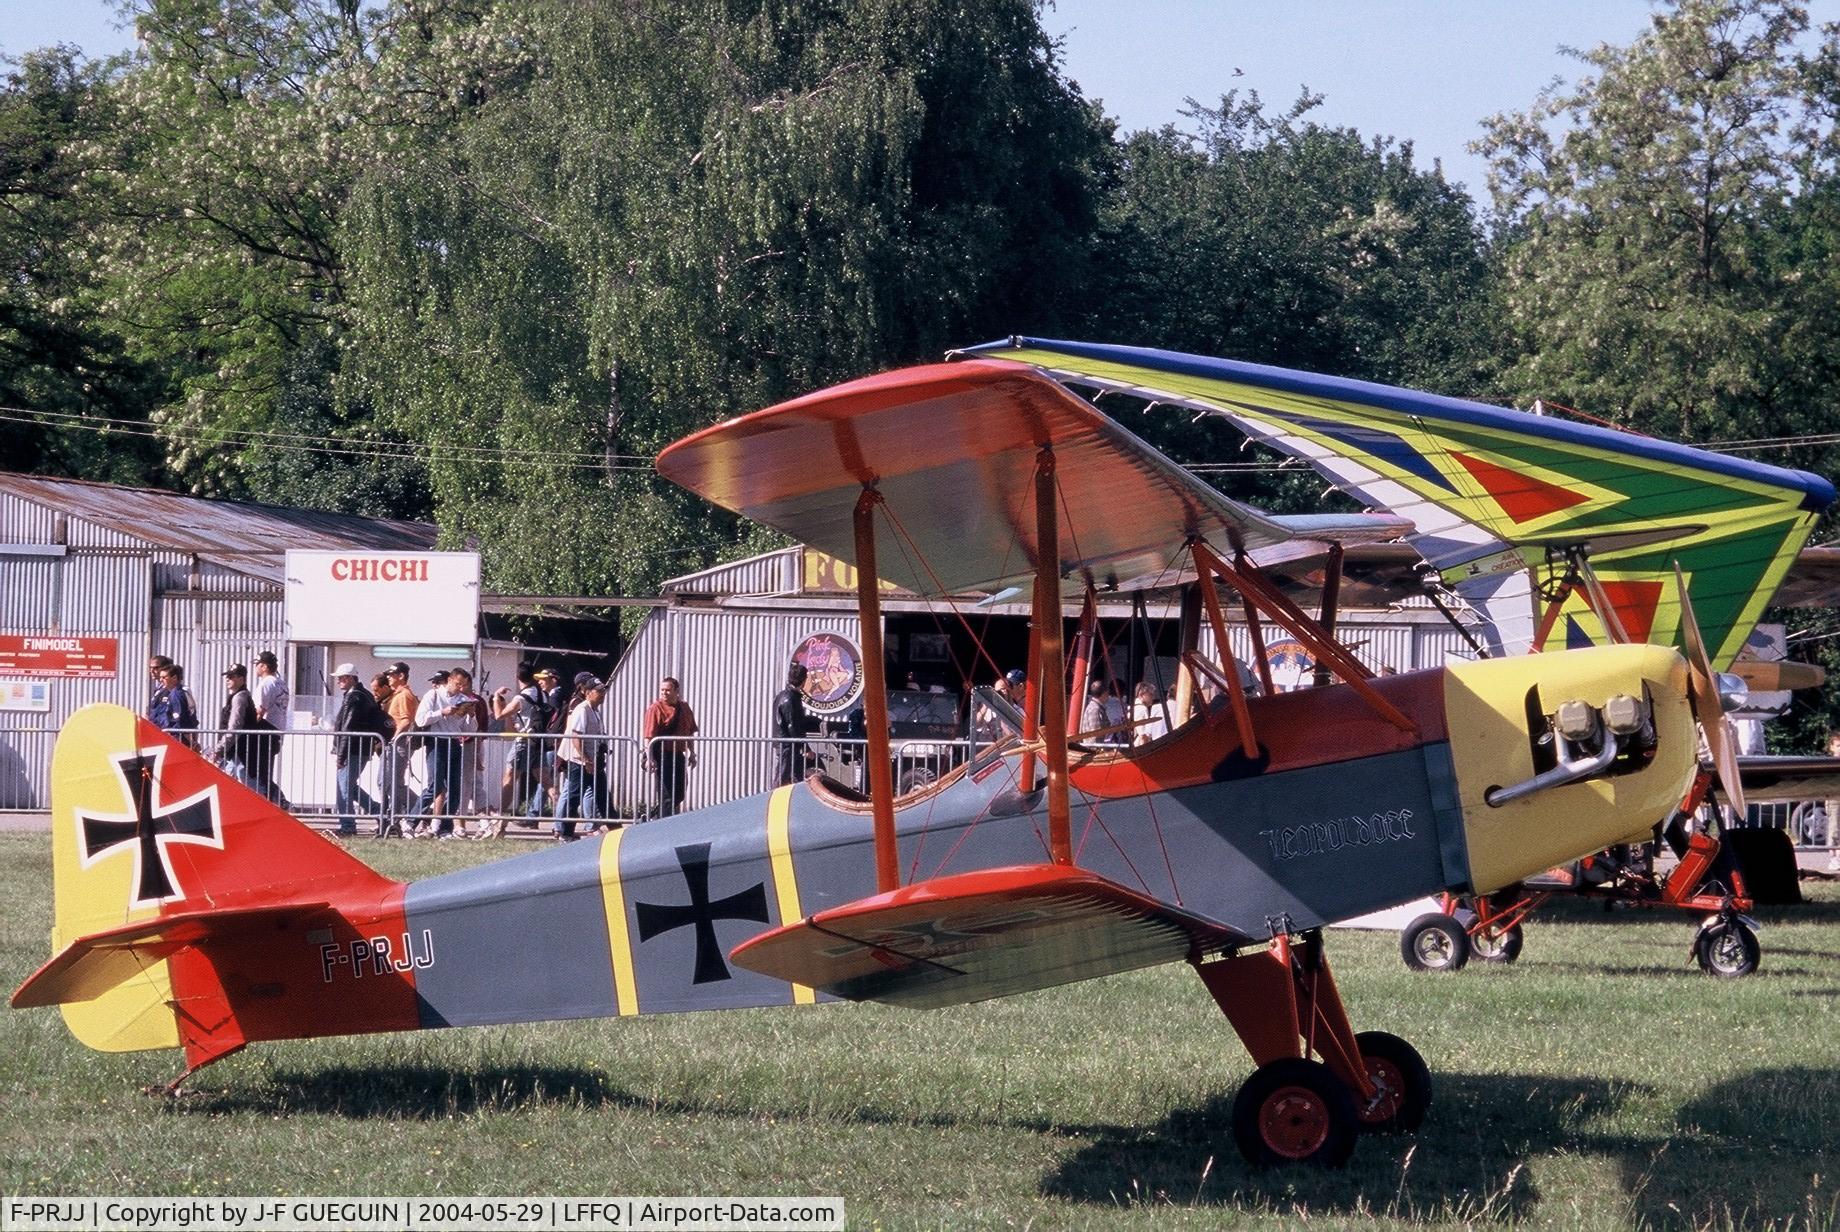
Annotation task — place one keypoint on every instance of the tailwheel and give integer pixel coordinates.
(1403, 1083)
(1294, 1111)
(1496, 945)
(1727, 949)
(1434, 942)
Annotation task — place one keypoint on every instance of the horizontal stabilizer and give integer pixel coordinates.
(91, 965)
(973, 936)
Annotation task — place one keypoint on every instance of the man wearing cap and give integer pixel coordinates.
(359, 720)
(578, 760)
(238, 718)
(272, 701)
(988, 727)
(394, 762)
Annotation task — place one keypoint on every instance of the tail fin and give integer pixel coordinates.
(154, 850)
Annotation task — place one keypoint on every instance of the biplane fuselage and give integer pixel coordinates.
(1341, 814)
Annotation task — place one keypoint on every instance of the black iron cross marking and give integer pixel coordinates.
(656, 918)
(151, 828)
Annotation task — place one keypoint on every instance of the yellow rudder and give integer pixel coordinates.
(137, 1013)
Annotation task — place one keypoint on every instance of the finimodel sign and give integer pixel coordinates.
(417, 598)
(52, 654)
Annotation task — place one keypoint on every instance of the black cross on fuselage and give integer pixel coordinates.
(150, 829)
(656, 918)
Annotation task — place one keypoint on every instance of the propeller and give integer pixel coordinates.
(1708, 690)
(1771, 675)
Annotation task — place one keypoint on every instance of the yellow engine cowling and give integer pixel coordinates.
(1487, 709)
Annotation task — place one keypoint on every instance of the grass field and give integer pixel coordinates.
(1601, 1082)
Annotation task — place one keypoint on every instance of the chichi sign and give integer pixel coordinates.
(418, 598)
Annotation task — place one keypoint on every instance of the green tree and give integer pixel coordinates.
(1644, 266)
(691, 211)
(238, 132)
(63, 380)
(1271, 238)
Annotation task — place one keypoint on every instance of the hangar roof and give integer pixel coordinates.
(243, 535)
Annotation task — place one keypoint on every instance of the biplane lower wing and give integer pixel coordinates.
(975, 936)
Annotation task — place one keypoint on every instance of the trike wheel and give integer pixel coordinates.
(1727, 949)
(1434, 942)
(1502, 946)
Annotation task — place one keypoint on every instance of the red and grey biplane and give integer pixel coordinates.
(191, 913)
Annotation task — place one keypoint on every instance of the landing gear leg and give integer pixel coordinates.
(1295, 1108)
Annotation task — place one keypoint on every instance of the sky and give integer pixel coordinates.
(1427, 71)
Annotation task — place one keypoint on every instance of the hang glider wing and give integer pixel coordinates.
(1490, 491)
(952, 450)
(974, 936)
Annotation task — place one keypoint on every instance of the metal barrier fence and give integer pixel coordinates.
(483, 776)
(429, 777)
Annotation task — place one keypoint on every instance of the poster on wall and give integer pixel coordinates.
(1292, 667)
(834, 673)
(53, 655)
(414, 598)
(32, 696)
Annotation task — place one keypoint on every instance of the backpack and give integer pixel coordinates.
(539, 716)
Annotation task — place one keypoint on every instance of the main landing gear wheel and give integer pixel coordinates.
(1294, 1111)
(1497, 947)
(1434, 942)
(1403, 1079)
(1727, 949)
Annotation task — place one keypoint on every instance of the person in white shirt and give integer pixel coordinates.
(578, 761)
(1147, 720)
(270, 694)
(445, 711)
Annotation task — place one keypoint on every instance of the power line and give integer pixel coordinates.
(588, 460)
(302, 443)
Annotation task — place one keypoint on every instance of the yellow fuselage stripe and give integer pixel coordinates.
(619, 944)
(785, 881)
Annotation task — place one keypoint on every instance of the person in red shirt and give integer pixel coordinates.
(665, 743)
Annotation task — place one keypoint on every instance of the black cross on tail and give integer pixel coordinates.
(150, 828)
(656, 918)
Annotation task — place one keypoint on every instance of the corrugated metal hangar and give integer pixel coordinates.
(105, 576)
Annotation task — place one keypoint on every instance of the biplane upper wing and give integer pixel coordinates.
(952, 450)
(1491, 491)
(974, 936)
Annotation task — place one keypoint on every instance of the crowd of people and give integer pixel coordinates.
(558, 770)
(387, 735)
